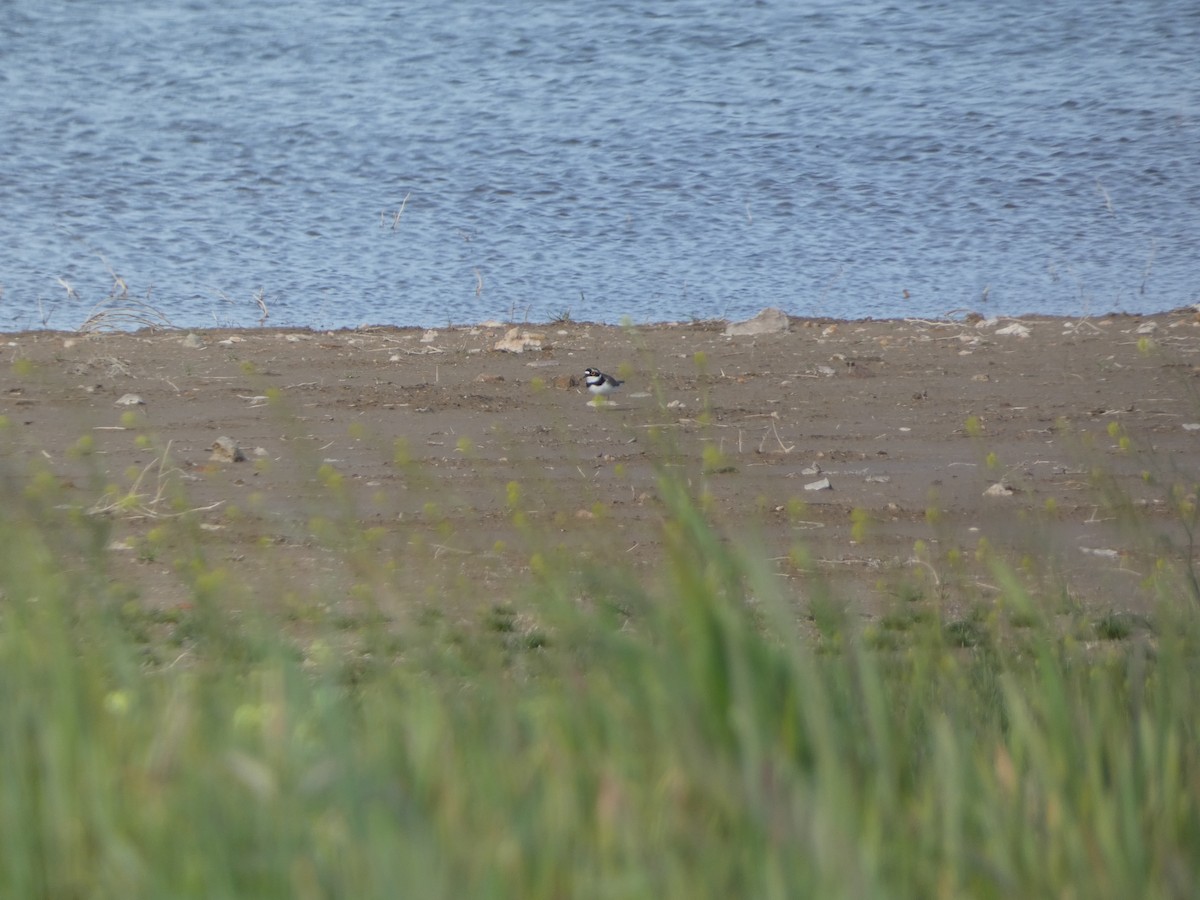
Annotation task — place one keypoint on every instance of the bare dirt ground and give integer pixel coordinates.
(431, 463)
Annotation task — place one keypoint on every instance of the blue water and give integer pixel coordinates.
(645, 160)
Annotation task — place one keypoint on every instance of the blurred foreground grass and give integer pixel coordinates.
(606, 735)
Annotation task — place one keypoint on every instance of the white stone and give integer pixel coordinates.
(1016, 329)
(769, 321)
(517, 341)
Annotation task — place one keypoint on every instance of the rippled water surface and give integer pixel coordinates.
(425, 163)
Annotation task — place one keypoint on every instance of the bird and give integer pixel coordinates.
(599, 384)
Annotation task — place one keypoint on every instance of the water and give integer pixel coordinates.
(606, 160)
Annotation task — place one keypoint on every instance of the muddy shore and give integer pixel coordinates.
(877, 456)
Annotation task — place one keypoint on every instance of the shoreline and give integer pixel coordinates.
(960, 316)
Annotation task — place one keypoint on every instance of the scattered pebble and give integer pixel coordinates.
(822, 485)
(225, 449)
(769, 321)
(1016, 329)
(517, 341)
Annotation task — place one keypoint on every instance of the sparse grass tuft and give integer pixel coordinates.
(121, 312)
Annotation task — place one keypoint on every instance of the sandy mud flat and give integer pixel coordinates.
(875, 456)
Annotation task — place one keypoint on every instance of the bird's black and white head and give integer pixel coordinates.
(598, 383)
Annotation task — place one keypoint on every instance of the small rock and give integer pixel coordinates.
(1191, 426)
(225, 449)
(769, 321)
(878, 479)
(822, 485)
(129, 400)
(1016, 329)
(488, 378)
(517, 341)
